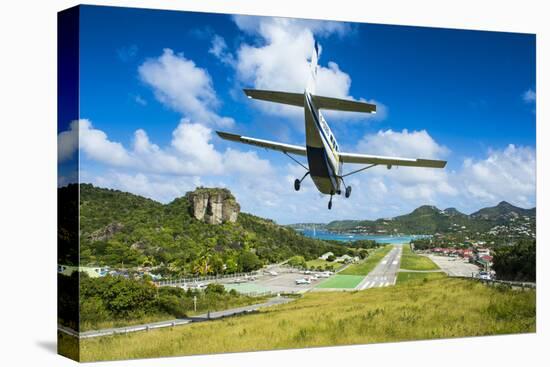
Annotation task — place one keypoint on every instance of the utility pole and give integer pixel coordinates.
(195, 303)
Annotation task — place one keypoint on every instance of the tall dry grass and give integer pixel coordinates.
(443, 308)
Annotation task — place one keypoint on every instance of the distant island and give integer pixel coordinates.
(502, 220)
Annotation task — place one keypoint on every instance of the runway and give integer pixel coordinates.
(385, 273)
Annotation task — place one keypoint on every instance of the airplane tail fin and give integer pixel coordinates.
(297, 99)
(313, 69)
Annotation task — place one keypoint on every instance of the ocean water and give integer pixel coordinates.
(325, 235)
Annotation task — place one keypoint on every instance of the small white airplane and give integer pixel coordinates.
(303, 281)
(325, 160)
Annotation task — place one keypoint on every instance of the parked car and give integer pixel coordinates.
(484, 275)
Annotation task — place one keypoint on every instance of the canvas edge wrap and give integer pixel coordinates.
(68, 315)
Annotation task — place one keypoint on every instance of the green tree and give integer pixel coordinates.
(297, 261)
(517, 262)
(249, 261)
(231, 266)
(216, 264)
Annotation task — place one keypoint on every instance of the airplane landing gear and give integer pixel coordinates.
(348, 192)
(330, 203)
(298, 182)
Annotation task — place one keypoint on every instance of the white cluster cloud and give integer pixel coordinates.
(281, 61)
(219, 50)
(158, 187)
(67, 143)
(190, 152)
(418, 185)
(417, 144)
(183, 86)
(508, 174)
(254, 25)
(97, 145)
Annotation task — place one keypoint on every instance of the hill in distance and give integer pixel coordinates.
(428, 219)
(503, 210)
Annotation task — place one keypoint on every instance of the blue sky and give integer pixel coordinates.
(155, 85)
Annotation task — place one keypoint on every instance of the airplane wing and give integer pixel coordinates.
(281, 147)
(390, 161)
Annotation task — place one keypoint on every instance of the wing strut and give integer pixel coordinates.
(359, 170)
(295, 160)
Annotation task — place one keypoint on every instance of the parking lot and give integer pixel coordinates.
(454, 267)
(275, 279)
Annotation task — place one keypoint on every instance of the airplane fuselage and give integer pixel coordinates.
(325, 166)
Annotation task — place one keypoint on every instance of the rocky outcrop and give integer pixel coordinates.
(107, 232)
(213, 206)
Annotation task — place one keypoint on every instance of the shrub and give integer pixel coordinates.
(172, 305)
(215, 288)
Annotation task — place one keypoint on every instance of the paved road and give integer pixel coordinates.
(175, 322)
(385, 273)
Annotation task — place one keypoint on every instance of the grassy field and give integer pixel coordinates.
(442, 308)
(412, 261)
(322, 263)
(365, 267)
(420, 276)
(341, 281)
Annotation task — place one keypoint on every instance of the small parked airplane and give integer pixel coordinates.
(325, 160)
(302, 281)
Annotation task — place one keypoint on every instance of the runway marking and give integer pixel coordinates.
(384, 261)
(394, 262)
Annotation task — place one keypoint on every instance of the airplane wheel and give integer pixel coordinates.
(348, 191)
(330, 205)
(297, 184)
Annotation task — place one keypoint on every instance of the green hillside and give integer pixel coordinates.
(430, 220)
(502, 212)
(125, 230)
